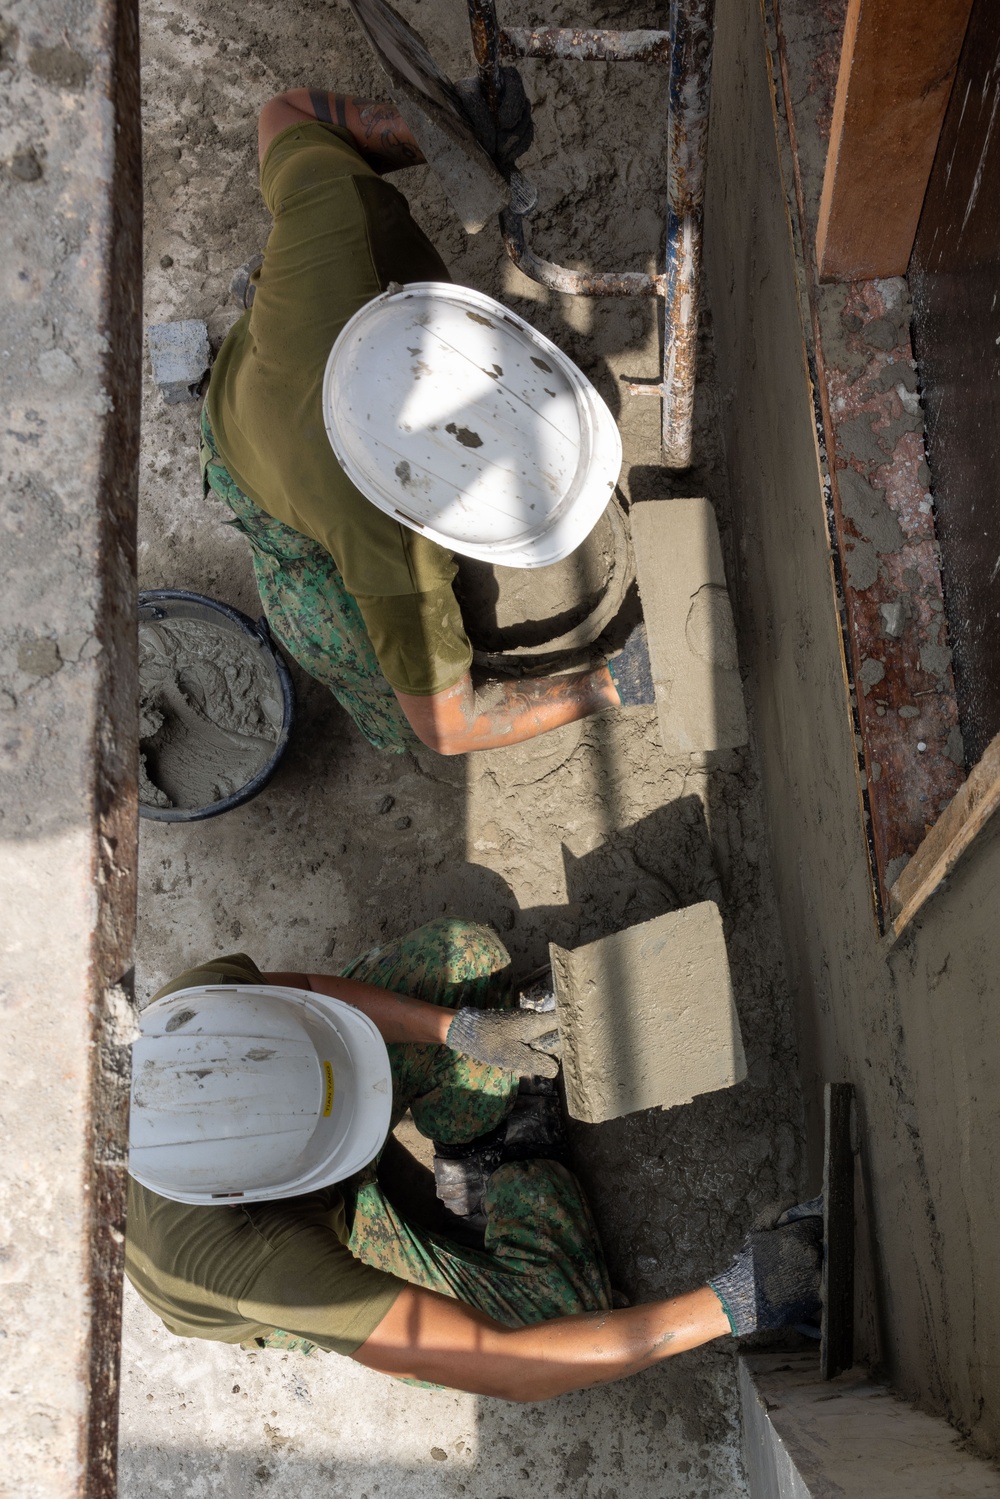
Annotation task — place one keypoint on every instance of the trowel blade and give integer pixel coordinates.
(428, 102)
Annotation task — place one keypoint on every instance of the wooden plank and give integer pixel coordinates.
(896, 70)
(836, 1349)
(964, 817)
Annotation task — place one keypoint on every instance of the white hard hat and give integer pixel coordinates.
(456, 417)
(244, 1092)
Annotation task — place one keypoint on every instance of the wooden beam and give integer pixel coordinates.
(897, 66)
(961, 821)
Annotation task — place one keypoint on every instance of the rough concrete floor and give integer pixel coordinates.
(577, 834)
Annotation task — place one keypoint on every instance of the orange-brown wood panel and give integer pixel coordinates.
(896, 70)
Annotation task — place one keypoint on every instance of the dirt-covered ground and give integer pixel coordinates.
(581, 832)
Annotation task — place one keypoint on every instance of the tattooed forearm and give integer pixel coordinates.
(385, 135)
(320, 106)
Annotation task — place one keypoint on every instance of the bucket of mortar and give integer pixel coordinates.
(175, 606)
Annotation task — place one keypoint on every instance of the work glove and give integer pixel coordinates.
(631, 671)
(774, 1280)
(510, 135)
(519, 1041)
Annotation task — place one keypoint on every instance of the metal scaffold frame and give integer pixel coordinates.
(686, 49)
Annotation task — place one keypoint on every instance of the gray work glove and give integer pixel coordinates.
(774, 1281)
(519, 1041)
(510, 135)
(631, 671)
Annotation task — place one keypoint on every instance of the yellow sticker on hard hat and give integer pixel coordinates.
(328, 1090)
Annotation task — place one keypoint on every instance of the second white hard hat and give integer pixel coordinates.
(249, 1092)
(455, 416)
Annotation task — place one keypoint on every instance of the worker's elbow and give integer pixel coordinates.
(521, 1396)
(437, 738)
(272, 104)
(441, 744)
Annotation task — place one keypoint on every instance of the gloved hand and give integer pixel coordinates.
(775, 1278)
(519, 1041)
(631, 671)
(508, 137)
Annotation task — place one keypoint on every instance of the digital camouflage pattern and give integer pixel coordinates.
(310, 610)
(542, 1257)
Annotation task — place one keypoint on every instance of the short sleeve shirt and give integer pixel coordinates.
(340, 235)
(232, 1273)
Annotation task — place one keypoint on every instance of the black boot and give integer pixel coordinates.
(533, 1130)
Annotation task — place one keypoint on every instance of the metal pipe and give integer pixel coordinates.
(574, 283)
(583, 44)
(687, 137)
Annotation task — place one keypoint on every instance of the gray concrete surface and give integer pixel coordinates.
(646, 1016)
(69, 354)
(806, 1438)
(913, 1027)
(580, 833)
(689, 625)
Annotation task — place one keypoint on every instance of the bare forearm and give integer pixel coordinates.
(397, 1016)
(428, 1337)
(461, 719)
(379, 130)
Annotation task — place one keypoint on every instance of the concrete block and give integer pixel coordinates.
(647, 1017)
(179, 353)
(809, 1438)
(689, 623)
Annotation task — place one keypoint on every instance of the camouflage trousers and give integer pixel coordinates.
(310, 610)
(542, 1257)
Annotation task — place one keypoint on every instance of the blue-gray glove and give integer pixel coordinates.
(631, 671)
(521, 1041)
(510, 135)
(774, 1280)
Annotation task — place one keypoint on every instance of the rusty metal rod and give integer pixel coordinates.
(486, 46)
(584, 44)
(575, 283)
(691, 24)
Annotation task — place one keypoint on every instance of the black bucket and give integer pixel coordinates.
(179, 604)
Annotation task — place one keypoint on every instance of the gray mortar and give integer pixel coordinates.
(862, 563)
(866, 507)
(209, 713)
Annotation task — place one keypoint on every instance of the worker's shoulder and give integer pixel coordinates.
(232, 968)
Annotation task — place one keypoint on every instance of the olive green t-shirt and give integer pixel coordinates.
(232, 1273)
(340, 235)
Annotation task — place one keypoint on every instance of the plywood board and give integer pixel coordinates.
(896, 72)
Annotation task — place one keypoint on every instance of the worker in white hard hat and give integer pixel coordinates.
(360, 598)
(258, 1208)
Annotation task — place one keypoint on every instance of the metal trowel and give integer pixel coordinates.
(428, 102)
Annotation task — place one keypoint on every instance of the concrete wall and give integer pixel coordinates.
(912, 1028)
(809, 1438)
(70, 199)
